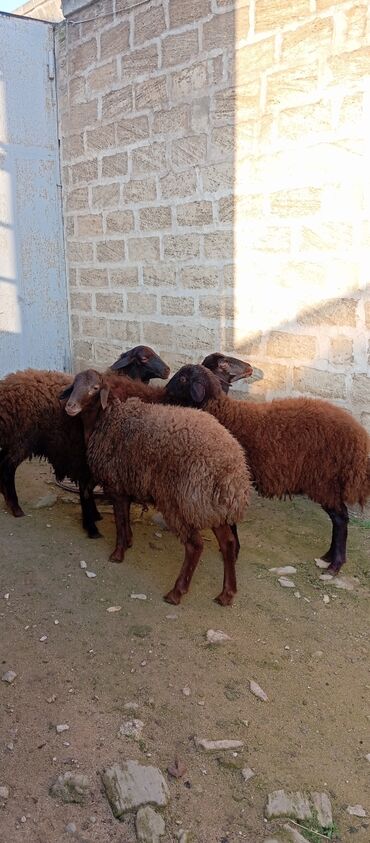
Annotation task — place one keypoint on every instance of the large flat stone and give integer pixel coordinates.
(283, 804)
(130, 785)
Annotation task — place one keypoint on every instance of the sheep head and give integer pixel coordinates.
(87, 387)
(227, 369)
(192, 386)
(141, 363)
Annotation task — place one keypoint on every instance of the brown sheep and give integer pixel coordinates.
(181, 461)
(294, 446)
(32, 423)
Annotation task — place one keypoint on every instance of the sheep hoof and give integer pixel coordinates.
(172, 597)
(18, 512)
(117, 556)
(333, 569)
(224, 599)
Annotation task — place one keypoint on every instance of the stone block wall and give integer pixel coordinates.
(216, 186)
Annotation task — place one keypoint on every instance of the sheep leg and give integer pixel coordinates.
(235, 533)
(7, 486)
(336, 554)
(193, 552)
(88, 510)
(121, 508)
(228, 545)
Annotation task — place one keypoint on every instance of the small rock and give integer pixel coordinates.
(131, 729)
(356, 811)
(320, 563)
(322, 805)
(150, 826)
(83, 564)
(257, 691)
(286, 569)
(51, 699)
(345, 583)
(138, 597)
(247, 773)
(186, 691)
(326, 577)
(297, 594)
(216, 636)
(71, 787)
(285, 582)
(71, 828)
(43, 638)
(90, 574)
(130, 785)
(9, 676)
(326, 599)
(62, 727)
(46, 500)
(159, 535)
(6, 596)
(172, 617)
(212, 746)
(159, 521)
(112, 609)
(367, 756)
(23, 819)
(177, 769)
(4, 792)
(282, 804)
(131, 706)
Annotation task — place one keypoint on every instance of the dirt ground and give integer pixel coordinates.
(311, 658)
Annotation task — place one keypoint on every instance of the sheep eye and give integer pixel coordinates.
(182, 379)
(96, 387)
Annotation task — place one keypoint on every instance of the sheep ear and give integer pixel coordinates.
(104, 392)
(123, 361)
(66, 393)
(197, 392)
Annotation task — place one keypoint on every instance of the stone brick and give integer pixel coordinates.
(72, 147)
(196, 338)
(189, 151)
(89, 225)
(75, 325)
(220, 32)
(274, 379)
(341, 350)
(116, 104)
(110, 251)
(105, 195)
(80, 301)
(144, 249)
(269, 238)
(149, 159)
(102, 77)
(139, 62)
(272, 15)
(177, 306)
(337, 312)
(124, 332)
(219, 245)
(216, 70)
(223, 142)
(217, 307)
(326, 236)
(151, 93)
(158, 334)
(159, 275)
(180, 49)
(217, 177)
(128, 277)
(155, 218)
(139, 190)
(94, 277)
(80, 252)
(84, 171)
(236, 104)
(69, 223)
(149, 24)
(82, 353)
(367, 314)
(199, 277)
(188, 11)
(171, 120)
(109, 302)
(308, 42)
(189, 81)
(361, 390)
(297, 123)
(318, 383)
(252, 60)
(114, 40)
(100, 138)
(296, 203)
(77, 199)
(77, 89)
(195, 213)
(178, 184)
(82, 56)
(292, 346)
(236, 208)
(80, 115)
(141, 303)
(289, 86)
(114, 165)
(181, 246)
(94, 327)
(133, 130)
(119, 221)
(200, 115)
(346, 67)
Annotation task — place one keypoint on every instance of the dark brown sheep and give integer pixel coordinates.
(180, 460)
(228, 370)
(33, 424)
(294, 446)
(141, 363)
